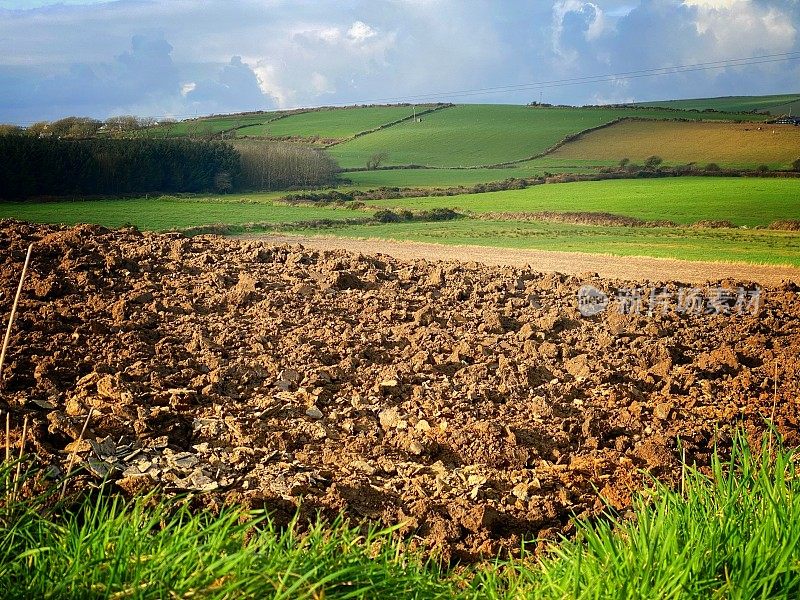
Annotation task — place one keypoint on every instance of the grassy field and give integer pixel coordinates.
(730, 534)
(207, 125)
(727, 144)
(435, 177)
(684, 200)
(777, 104)
(482, 134)
(331, 123)
(744, 202)
(165, 214)
(726, 245)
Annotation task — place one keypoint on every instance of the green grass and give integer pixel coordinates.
(686, 200)
(743, 201)
(165, 214)
(207, 125)
(454, 177)
(733, 534)
(726, 245)
(776, 104)
(331, 123)
(484, 134)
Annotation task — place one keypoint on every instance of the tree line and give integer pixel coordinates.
(52, 166)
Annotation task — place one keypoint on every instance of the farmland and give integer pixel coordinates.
(503, 219)
(330, 123)
(475, 135)
(727, 144)
(169, 213)
(453, 413)
(686, 200)
(776, 104)
(208, 126)
(333, 423)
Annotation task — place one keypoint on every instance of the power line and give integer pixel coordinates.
(721, 64)
(555, 83)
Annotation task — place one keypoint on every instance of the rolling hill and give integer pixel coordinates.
(471, 135)
(775, 105)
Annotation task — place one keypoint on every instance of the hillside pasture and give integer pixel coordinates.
(207, 126)
(775, 104)
(747, 202)
(334, 123)
(168, 213)
(482, 134)
(744, 145)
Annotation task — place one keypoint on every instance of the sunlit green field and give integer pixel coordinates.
(728, 245)
(207, 126)
(742, 201)
(484, 134)
(335, 123)
(778, 104)
(161, 215)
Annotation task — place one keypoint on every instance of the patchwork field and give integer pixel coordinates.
(476, 135)
(727, 144)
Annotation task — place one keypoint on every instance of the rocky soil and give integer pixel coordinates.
(472, 404)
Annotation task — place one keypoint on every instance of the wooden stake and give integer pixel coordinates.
(14, 309)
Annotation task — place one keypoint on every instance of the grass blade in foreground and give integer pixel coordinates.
(734, 534)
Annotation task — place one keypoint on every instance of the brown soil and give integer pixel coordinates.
(471, 403)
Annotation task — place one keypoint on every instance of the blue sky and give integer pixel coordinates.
(184, 57)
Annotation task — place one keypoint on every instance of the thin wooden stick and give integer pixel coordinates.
(14, 309)
(73, 453)
(19, 461)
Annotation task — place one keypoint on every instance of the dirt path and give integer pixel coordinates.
(615, 267)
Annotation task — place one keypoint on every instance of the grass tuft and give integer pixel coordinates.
(731, 533)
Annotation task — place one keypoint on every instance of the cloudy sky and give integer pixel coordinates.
(184, 57)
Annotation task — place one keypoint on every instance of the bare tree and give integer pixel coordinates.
(376, 159)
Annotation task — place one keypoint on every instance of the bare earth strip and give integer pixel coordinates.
(574, 263)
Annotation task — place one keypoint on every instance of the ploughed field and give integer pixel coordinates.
(472, 404)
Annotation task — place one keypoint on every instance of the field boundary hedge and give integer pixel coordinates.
(391, 124)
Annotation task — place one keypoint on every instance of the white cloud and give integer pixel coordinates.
(737, 28)
(360, 31)
(596, 23)
(79, 59)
